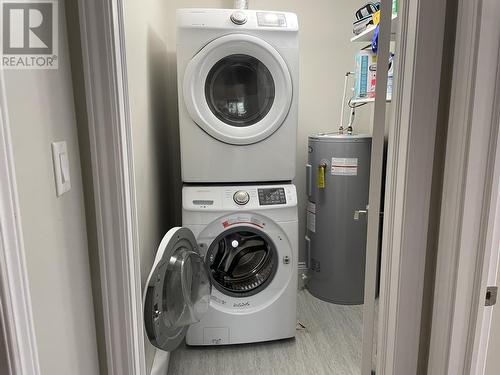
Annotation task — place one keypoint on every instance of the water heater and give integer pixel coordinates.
(338, 180)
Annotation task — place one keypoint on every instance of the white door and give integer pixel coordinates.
(487, 340)
(230, 89)
(177, 290)
(492, 363)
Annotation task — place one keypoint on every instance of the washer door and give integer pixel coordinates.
(242, 261)
(177, 291)
(238, 89)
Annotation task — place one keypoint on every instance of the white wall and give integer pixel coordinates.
(40, 105)
(325, 55)
(155, 156)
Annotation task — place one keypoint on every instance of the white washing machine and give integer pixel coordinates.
(229, 275)
(238, 94)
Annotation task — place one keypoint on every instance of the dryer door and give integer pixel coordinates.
(177, 291)
(238, 89)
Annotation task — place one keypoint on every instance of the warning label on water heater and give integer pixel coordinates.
(311, 222)
(345, 166)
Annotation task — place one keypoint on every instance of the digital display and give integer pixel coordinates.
(272, 196)
(267, 19)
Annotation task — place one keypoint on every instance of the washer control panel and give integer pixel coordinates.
(238, 197)
(270, 196)
(241, 197)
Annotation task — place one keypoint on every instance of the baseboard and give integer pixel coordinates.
(160, 363)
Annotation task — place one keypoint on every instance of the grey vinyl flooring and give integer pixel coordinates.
(330, 344)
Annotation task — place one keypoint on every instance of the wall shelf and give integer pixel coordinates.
(367, 35)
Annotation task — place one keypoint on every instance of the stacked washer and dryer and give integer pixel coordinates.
(229, 275)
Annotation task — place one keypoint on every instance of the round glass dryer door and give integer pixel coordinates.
(238, 89)
(242, 261)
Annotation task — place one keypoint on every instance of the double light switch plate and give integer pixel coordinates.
(61, 167)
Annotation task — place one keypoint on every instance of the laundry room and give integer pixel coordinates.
(249, 132)
(221, 187)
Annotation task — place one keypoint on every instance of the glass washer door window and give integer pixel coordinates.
(242, 261)
(239, 90)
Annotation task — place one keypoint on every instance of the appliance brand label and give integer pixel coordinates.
(242, 304)
(243, 220)
(311, 221)
(345, 166)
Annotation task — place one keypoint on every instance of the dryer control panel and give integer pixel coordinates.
(206, 19)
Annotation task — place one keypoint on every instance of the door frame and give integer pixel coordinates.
(106, 94)
(17, 330)
(404, 252)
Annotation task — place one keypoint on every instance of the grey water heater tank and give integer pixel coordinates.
(338, 179)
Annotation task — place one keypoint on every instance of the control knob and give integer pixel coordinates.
(239, 18)
(241, 197)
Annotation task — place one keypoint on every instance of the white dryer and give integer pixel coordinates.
(238, 94)
(229, 276)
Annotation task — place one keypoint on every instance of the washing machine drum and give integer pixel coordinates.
(242, 261)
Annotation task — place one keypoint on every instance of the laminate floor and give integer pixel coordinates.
(330, 344)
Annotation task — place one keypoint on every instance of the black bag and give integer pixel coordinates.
(367, 10)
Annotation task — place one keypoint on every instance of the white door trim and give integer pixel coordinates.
(16, 317)
(102, 37)
(467, 192)
(375, 192)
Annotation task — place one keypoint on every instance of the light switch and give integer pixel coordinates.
(61, 167)
(63, 159)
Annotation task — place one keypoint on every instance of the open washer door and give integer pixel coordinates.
(177, 291)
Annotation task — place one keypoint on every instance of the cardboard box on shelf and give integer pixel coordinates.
(366, 75)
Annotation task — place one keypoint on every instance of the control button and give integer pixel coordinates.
(241, 197)
(239, 18)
